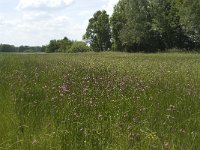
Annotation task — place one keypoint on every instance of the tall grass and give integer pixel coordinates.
(100, 101)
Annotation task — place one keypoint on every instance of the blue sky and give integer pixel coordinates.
(35, 22)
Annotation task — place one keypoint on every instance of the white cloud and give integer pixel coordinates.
(35, 29)
(8, 23)
(35, 22)
(42, 4)
(109, 5)
(35, 15)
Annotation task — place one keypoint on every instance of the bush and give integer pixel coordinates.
(79, 47)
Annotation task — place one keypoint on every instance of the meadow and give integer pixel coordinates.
(100, 101)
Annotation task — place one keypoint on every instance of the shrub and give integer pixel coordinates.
(79, 47)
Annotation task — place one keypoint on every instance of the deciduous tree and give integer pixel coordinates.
(118, 21)
(99, 32)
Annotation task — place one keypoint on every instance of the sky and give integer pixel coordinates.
(36, 22)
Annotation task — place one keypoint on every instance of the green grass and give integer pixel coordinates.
(94, 101)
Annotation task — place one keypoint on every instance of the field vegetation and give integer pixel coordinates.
(97, 101)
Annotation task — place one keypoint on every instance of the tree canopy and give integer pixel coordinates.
(151, 25)
(99, 32)
(59, 45)
(118, 21)
(190, 19)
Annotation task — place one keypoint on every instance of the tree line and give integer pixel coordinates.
(66, 45)
(135, 25)
(12, 48)
(146, 25)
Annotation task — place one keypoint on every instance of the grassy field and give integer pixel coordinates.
(100, 101)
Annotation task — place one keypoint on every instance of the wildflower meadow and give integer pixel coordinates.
(100, 101)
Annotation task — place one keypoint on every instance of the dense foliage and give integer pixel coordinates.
(99, 32)
(152, 25)
(66, 46)
(79, 47)
(59, 45)
(190, 18)
(118, 21)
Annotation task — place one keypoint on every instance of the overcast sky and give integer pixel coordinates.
(35, 22)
